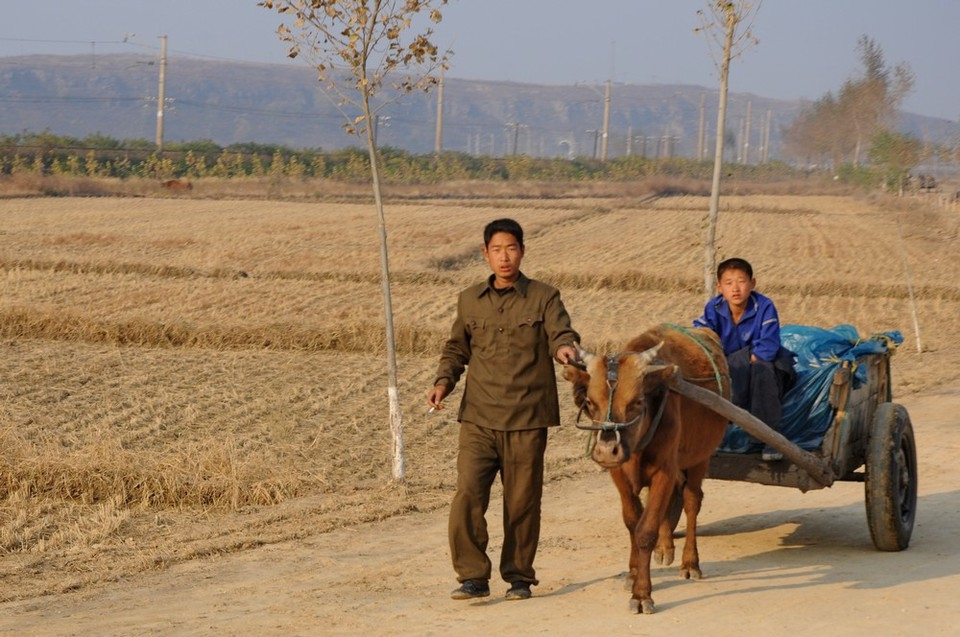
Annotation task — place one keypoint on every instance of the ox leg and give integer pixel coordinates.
(692, 499)
(665, 550)
(631, 508)
(646, 536)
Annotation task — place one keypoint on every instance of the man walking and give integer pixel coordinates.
(508, 330)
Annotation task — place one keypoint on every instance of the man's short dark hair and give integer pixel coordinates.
(734, 264)
(503, 225)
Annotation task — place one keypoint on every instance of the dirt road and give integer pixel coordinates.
(774, 560)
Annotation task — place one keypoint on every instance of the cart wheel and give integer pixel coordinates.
(891, 478)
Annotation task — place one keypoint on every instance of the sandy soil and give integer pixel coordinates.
(774, 559)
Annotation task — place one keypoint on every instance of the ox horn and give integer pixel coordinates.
(584, 355)
(647, 356)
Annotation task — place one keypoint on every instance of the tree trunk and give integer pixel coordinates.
(710, 247)
(396, 417)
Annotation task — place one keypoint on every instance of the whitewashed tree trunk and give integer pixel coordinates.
(396, 416)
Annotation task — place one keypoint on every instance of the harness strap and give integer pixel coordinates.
(654, 423)
(613, 365)
(717, 376)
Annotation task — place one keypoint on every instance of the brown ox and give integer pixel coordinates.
(649, 436)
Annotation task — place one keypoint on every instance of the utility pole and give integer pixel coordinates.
(701, 132)
(161, 92)
(746, 136)
(766, 137)
(438, 143)
(606, 122)
(740, 146)
(516, 136)
(596, 136)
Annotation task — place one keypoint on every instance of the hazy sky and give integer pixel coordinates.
(807, 47)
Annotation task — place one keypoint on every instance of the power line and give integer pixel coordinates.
(39, 41)
(50, 99)
(129, 41)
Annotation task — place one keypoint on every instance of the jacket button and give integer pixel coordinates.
(500, 329)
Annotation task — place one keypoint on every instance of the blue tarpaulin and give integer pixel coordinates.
(806, 407)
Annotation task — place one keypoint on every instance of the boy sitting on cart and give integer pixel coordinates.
(761, 369)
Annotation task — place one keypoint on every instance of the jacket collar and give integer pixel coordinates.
(720, 304)
(520, 286)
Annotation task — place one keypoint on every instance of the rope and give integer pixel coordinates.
(717, 376)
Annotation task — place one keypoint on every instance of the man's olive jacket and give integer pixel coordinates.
(508, 341)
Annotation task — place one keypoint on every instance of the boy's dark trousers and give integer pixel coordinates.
(759, 386)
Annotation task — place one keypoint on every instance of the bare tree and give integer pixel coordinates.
(816, 134)
(840, 126)
(736, 18)
(871, 101)
(354, 45)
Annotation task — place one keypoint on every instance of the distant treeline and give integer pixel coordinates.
(99, 156)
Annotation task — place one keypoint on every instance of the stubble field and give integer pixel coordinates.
(182, 378)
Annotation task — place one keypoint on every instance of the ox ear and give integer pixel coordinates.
(580, 379)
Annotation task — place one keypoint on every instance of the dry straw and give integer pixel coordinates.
(157, 404)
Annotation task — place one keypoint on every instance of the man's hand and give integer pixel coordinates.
(435, 396)
(567, 354)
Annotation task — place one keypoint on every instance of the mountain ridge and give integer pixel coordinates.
(234, 102)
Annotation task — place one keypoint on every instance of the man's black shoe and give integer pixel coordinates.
(519, 590)
(471, 589)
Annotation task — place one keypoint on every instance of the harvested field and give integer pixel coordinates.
(184, 378)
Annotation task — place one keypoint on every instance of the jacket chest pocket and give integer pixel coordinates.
(481, 333)
(527, 332)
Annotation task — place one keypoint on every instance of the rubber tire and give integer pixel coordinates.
(891, 478)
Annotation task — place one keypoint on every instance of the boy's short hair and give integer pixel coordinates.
(734, 264)
(503, 225)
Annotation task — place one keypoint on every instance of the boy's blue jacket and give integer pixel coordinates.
(758, 329)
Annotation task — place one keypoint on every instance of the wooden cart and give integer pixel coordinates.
(870, 440)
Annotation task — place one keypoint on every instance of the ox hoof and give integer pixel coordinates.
(690, 572)
(663, 557)
(644, 607)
